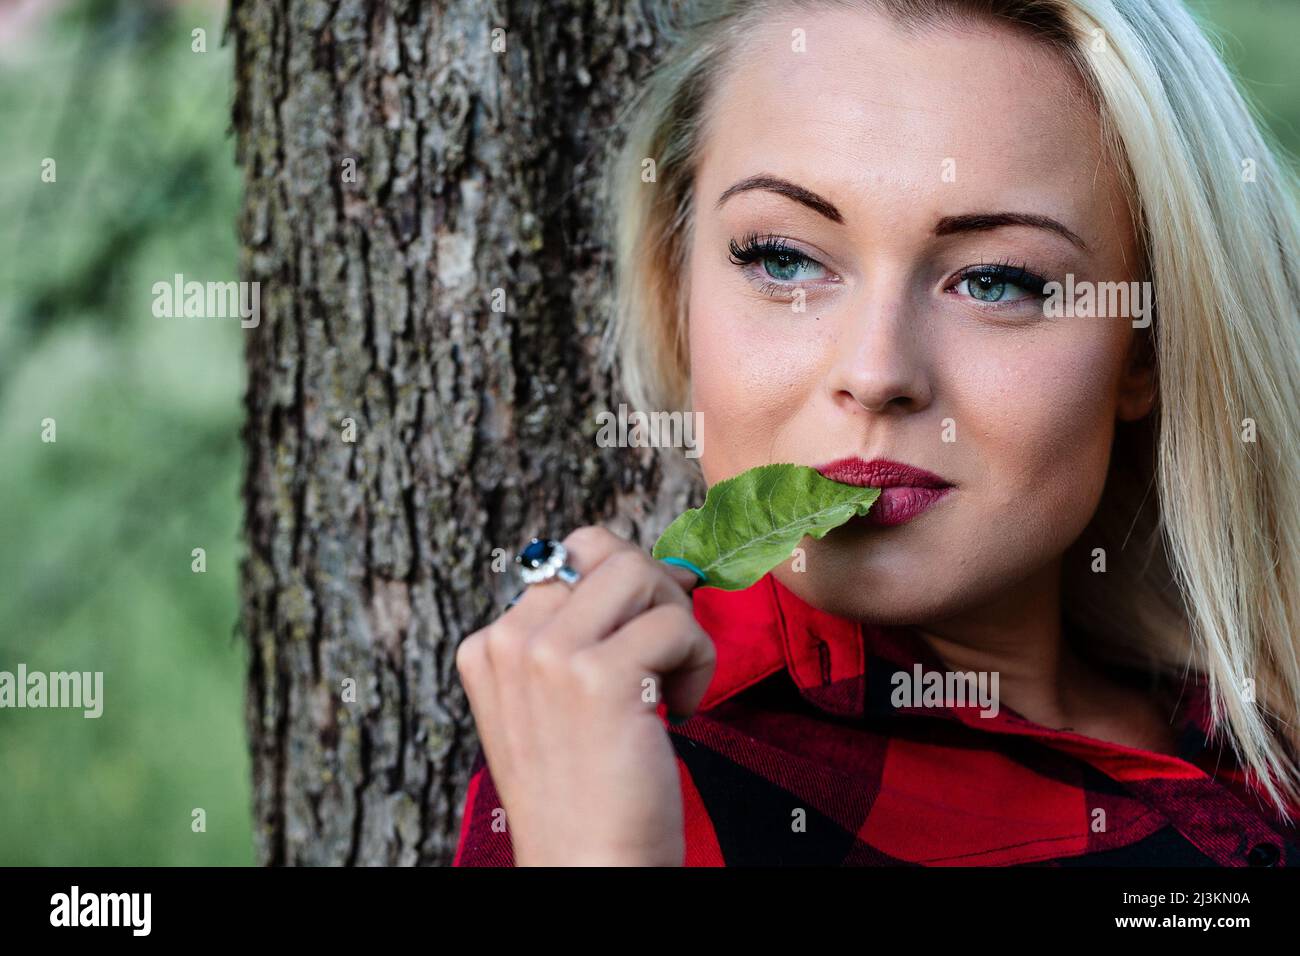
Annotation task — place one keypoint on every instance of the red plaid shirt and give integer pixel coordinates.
(797, 755)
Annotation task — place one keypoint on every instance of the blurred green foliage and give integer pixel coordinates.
(1257, 39)
(97, 529)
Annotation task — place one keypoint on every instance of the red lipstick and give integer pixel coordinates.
(904, 491)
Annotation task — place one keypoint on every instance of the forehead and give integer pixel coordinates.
(870, 109)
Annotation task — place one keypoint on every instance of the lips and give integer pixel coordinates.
(905, 491)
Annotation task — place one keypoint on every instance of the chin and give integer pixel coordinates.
(883, 602)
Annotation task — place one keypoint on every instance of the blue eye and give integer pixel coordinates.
(781, 264)
(787, 266)
(1000, 283)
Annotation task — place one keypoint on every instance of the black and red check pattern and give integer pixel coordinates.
(797, 755)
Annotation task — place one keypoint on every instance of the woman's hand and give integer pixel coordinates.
(563, 688)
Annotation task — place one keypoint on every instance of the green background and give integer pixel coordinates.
(97, 529)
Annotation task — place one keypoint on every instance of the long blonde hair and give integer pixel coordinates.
(1200, 519)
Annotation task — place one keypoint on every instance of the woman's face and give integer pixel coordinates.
(914, 145)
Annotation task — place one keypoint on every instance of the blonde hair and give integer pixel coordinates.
(1213, 580)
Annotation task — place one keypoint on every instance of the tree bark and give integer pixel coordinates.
(370, 559)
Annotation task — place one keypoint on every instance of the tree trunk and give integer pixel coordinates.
(398, 170)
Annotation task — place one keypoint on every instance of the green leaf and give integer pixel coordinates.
(751, 523)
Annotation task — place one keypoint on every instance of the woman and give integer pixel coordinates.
(888, 239)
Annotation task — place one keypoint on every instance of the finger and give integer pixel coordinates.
(686, 578)
(478, 679)
(624, 585)
(474, 667)
(664, 643)
(587, 548)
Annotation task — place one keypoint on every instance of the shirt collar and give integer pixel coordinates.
(846, 668)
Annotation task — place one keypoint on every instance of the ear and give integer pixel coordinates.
(1138, 384)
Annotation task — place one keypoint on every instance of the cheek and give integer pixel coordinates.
(1043, 415)
(750, 375)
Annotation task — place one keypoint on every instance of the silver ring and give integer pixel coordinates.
(543, 559)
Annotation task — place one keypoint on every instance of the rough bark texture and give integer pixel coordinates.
(371, 559)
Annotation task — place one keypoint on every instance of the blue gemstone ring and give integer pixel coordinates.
(543, 559)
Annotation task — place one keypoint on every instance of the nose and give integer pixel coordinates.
(881, 360)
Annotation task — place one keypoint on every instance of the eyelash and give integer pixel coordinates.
(754, 248)
(1005, 272)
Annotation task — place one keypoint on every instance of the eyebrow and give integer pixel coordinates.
(786, 188)
(981, 221)
(947, 226)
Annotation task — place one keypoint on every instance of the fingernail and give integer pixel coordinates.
(683, 563)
